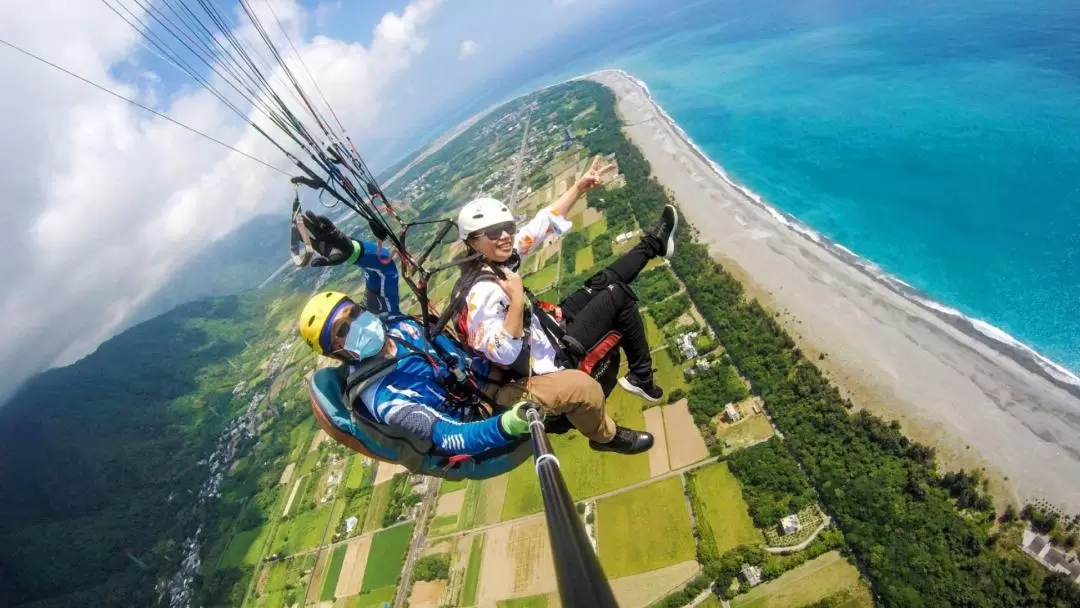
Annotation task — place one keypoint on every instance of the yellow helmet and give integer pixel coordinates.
(315, 315)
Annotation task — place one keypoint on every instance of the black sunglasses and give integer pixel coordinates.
(351, 314)
(496, 231)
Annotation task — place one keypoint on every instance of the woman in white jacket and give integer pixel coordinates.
(494, 320)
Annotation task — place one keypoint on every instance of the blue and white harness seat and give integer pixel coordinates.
(405, 413)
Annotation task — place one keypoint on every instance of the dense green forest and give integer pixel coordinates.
(100, 459)
(902, 526)
(771, 482)
(102, 462)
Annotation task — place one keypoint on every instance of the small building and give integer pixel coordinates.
(622, 238)
(686, 345)
(702, 364)
(751, 574)
(731, 413)
(790, 524)
(1050, 557)
(350, 524)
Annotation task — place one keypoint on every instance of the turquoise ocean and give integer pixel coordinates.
(940, 141)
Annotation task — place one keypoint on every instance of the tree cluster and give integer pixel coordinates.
(670, 309)
(772, 483)
(653, 286)
(432, 568)
(402, 498)
(713, 388)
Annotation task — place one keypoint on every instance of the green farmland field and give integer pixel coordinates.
(827, 576)
(644, 529)
(587, 472)
(333, 573)
(385, 557)
(720, 502)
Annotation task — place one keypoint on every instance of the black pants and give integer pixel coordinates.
(607, 303)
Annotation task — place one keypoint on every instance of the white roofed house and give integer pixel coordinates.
(751, 574)
(790, 524)
(686, 345)
(731, 413)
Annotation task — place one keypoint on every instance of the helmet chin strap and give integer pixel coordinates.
(513, 262)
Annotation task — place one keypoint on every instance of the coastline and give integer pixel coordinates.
(976, 394)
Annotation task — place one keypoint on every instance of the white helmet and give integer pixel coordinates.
(480, 213)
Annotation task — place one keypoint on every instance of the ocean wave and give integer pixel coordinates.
(988, 331)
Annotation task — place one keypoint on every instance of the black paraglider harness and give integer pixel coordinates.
(461, 385)
(569, 352)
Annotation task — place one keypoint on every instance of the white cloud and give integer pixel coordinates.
(105, 200)
(468, 47)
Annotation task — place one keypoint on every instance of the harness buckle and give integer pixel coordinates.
(453, 461)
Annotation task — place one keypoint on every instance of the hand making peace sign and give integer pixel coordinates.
(592, 177)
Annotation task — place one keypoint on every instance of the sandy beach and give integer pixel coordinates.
(980, 402)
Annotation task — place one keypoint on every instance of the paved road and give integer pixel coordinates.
(416, 546)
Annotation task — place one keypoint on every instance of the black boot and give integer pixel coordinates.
(625, 441)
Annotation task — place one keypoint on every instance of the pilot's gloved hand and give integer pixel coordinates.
(513, 421)
(333, 246)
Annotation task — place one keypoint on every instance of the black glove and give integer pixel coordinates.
(332, 245)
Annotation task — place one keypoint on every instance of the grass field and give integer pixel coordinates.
(443, 524)
(711, 601)
(472, 572)
(542, 279)
(372, 599)
(359, 473)
(597, 228)
(523, 495)
(300, 439)
(333, 572)
(549, 295)
(644, 529)
(719, 501)
(652, 332)
(286, 578)
(441, 292)
(577, 217)
(813, 581)
(533, 601)
(298, 495)
(380, 500)
(669, 375)
(301, 532)
(470, 507)
(271, 599)
(452, 486)
(384, 560)
(309, 461)
(245, 547)
(587, 472)
(583, 259)
(353, 507)
(747, 432)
